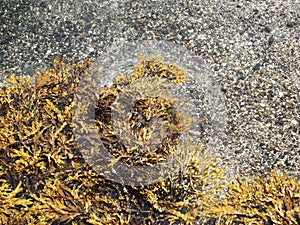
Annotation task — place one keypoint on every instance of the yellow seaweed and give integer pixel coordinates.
(44, 179)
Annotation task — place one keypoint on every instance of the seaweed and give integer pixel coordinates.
(44, 178)
(270, 200)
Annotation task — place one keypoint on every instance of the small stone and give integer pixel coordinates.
(294, 122)
(256, 67)
(271, 40)
(179, 37)
(281, 94)
(290, 25)
(267, 29)
(43, 5)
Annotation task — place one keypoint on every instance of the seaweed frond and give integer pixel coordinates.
(270, 200)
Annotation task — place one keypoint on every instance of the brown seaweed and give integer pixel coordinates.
(44, 179)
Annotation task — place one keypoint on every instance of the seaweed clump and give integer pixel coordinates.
(44, 178)
(269, 200)
(138, 106)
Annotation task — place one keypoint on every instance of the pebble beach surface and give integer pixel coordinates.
(252, 47)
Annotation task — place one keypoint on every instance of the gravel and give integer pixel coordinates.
(253, 48)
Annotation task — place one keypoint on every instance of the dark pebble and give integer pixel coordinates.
(256, 67)
(290, 25)
(280, 122)
(43, 5)
(271, 40)
(267, 29)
